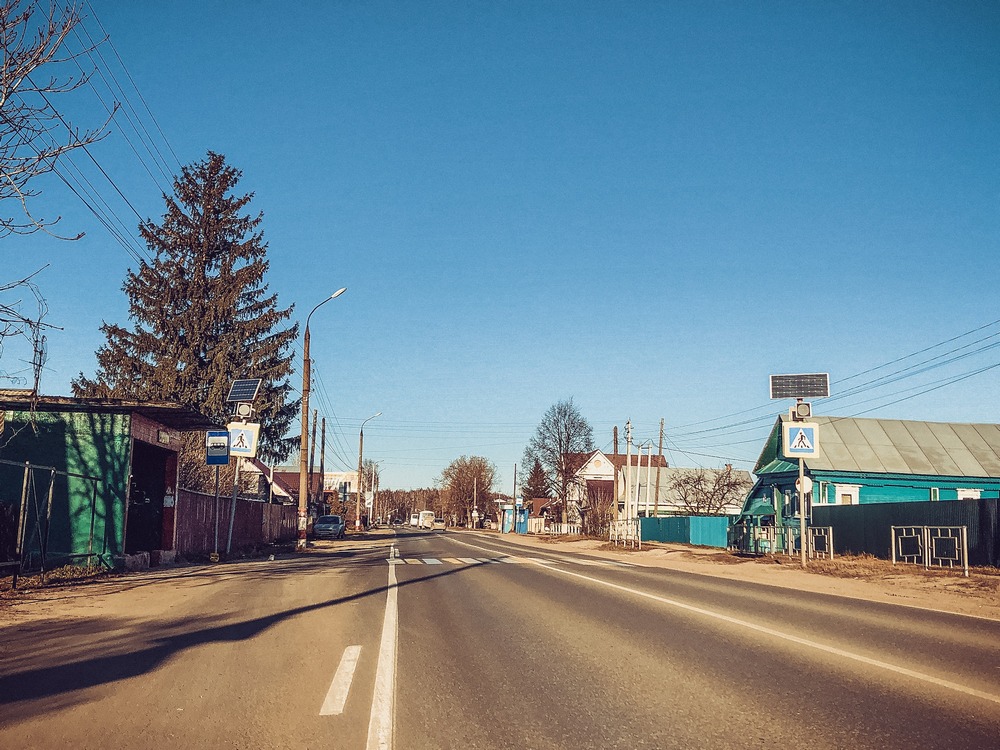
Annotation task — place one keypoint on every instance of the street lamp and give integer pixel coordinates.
(361, 482)
(300, 544)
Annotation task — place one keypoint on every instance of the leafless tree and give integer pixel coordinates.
(560, 438)
(597, 512)
(467, 485)
(33, 135)
(709, 491)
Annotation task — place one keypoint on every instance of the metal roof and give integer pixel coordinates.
(169, 414)
(895, 446)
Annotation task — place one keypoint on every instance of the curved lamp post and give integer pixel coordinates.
(361, 479)
(300, 544)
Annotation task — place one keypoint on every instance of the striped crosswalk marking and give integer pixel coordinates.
(509, 560)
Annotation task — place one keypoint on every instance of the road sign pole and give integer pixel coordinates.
(802, 509)
(215, 555)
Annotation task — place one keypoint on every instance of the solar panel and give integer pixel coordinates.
(813, 385)
(244, 390)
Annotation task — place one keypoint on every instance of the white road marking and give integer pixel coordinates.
(380, 726)
(336, 696)
(965, 690)
(432, 561)
(791, 638)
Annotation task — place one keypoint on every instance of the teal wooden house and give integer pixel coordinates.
(865, 461)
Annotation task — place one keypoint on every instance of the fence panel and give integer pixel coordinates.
(931, 546)
(709, 531)
(50, 518)
(254, 523)
(867, 528)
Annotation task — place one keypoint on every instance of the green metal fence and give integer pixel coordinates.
(867, 528)
(704, 531)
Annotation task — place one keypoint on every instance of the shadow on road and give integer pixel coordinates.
(63, 675)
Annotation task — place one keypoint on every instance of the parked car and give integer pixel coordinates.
(329, 527)
(439, 523)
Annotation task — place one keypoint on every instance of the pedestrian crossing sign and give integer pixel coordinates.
(800, 440)
(243, 439)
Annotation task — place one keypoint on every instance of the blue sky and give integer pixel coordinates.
(647, 207)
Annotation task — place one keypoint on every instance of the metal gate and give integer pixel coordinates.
(32, 550)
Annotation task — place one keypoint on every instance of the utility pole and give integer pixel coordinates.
(303, 516)
(628, 469)
(513, 505)
(361, 476)
(322, 467)
(312, 458)
(649, 463)
(659, 460)
(361, 484)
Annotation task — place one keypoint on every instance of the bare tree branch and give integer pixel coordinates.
(33, 133)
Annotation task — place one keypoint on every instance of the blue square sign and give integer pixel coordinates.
(800, 439)
(216, 448)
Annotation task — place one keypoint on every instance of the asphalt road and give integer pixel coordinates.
(461, 640)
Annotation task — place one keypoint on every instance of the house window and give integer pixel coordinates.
(935, 494)
(968, 494)
(847, 494)
(822, 496)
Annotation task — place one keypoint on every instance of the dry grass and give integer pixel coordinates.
(58, 576)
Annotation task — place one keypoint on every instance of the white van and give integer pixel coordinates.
(415, 520)
(426, 519)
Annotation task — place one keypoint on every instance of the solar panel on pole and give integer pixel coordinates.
(811, 385)
(244, 390)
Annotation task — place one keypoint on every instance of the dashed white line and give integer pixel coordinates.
(336, 696)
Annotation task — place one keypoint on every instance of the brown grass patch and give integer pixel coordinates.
(56, 577)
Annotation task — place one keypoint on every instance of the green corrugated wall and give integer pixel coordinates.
(77, 446)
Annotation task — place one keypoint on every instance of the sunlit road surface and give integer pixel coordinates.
(462, 640)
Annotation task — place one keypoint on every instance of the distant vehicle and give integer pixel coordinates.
(439, 523)
(426, 520)
(329, 527)
(415, 520)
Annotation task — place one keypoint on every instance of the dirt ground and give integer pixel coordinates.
(859, 577)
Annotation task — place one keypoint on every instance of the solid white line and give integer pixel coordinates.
(778, 634)
(336, 696)
(791, 638)
(383, 703)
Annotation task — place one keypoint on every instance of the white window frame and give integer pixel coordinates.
(935, 494)
(969, 493)
(852, 490)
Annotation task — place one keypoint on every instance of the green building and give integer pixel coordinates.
(88, 479)
(882, 461)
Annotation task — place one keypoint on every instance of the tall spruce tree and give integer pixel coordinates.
(536, 486)
(201, 312)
